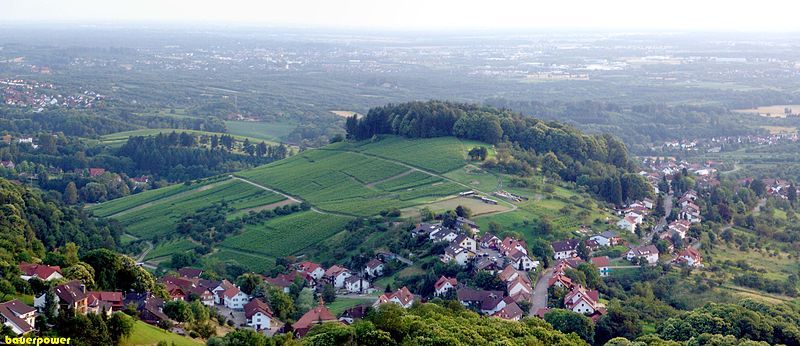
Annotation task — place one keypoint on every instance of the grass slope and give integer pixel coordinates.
(266, 131)
(145, 334)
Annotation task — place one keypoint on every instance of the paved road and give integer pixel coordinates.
(539, 299)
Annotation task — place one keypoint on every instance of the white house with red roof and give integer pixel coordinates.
(603, 264)
(18, 316)
(465, 242)
(258, 314)
(234, 298)
(219, 289)
(647, 253)
(336, 275)
(314, 270)
(40, 271)
(402, 297)
(582, 300)
(443, 285)
(628, 223)
(511, 312)
(690, 257)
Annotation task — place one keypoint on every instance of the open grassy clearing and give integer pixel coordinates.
(254, 263)
(343, 303)
(119, 138)
(286, 235)
(266, 131)
(158, 217)
(146, 335)
(171, 247)
(775, 111)
(772, 266)
(475, 205)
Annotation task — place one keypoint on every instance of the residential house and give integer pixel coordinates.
(190, 273)
(374, 268)
(462, 222)
(443, 234)
(490, 264)
(559, 280)
(258, 314)
(607, 238)
(627, 223)
(465, 242)
(459, 255)
(7, 164)
(402, 297)
(96, 172)
(487, 302)
(565, 248)
(219, 290)
(318, 315)
(603, 265)
(71, 296)
(150, 308)
(336, 275)
(110, 301)
(356, 284)
(314, 270)
(443, 285)
(357, 312)
(282, 281)
(511, 312)
(646, 253)
(489, 241)
(18, 316)
(40, 271)
(425, 229)
(521, 260)
(690, 257)
(509, 245)
(582, 300)
(234, 298)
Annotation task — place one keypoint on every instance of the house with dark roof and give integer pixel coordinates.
(107, 302)
(39, 271)
(646, 253)
(71, 295)
(565, 248)
(190, 273)
(357, 312)
(374, 268)
(18, 316)
(511, 312)
(425, 229)
(487, 302)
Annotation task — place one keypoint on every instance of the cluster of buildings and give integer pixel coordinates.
(41, 95)
(578, 299)
(635, 214)
(486, 252)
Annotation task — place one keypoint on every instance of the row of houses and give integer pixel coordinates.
(634, 214)
(579, 299)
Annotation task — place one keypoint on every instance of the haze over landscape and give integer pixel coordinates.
(399, 173)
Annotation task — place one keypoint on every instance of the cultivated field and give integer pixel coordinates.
(119, 138)
(776, 111)
(266, 131)
(286, 235)
(347, 114)
(475, 205)
(149, 217)
(363, 179)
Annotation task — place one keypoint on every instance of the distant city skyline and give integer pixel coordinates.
(693, 15)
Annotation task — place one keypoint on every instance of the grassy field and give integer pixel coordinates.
(171, 247)
(252, 262)
(146, 335)
(118, 138)
(341, 179)
(266, 131)
(343, 303)
(286, 235)
(148, 217)
(122, 204)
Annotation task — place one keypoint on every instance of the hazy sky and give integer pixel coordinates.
(713, 15)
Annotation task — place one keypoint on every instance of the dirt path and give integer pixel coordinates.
(371, 185)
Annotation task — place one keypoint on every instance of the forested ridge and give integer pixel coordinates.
(599, 162)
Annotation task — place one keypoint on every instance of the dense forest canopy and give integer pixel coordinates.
(599, 162)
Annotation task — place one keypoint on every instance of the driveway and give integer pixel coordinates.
(237, 316)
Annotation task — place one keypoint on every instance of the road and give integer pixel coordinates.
(539, 299)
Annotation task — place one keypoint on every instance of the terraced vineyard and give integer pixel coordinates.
(286, 235)
(363, 179)
(148, 216)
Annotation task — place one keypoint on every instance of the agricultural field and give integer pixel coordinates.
(158, 216)
(252, 262)
(120, 205)
(341, 179)
(119, 138)
(775, 111)
(286, 235)
(477, 206)
(263, 131)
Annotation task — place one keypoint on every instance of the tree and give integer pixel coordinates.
(178, 310)
(248, 282)
(791, 194)
(328, 293)
(617, 322)
(463, 211)
(551, 166)
(758, 187)
(281, 303)
(583, 251)
(71, 193)
(449, 219)
(542, 250)
(567, 321)
(80, 271)
(120, 326)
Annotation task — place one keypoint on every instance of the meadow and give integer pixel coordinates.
(286, 235)
(263, 131)
(251, 262)
(145, 334)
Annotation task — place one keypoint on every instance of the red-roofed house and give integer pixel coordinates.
(235, 299)
(690, 257)
(374, 268)
(258, 314)
(219, 290)
(311, 268)
(318, 315)
(402, 297)
(105, 301)
(603, 264)
(582, 300)
(443, 285)
(511, 311)
(96, 172)
(336, 275)
(41, 271)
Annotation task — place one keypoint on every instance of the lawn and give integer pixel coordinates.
(286, 235)
(158, 217)
(145, 334)
(343, 303)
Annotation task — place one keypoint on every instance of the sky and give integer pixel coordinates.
(697, 15)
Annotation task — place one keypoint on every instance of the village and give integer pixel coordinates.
(41, 95)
